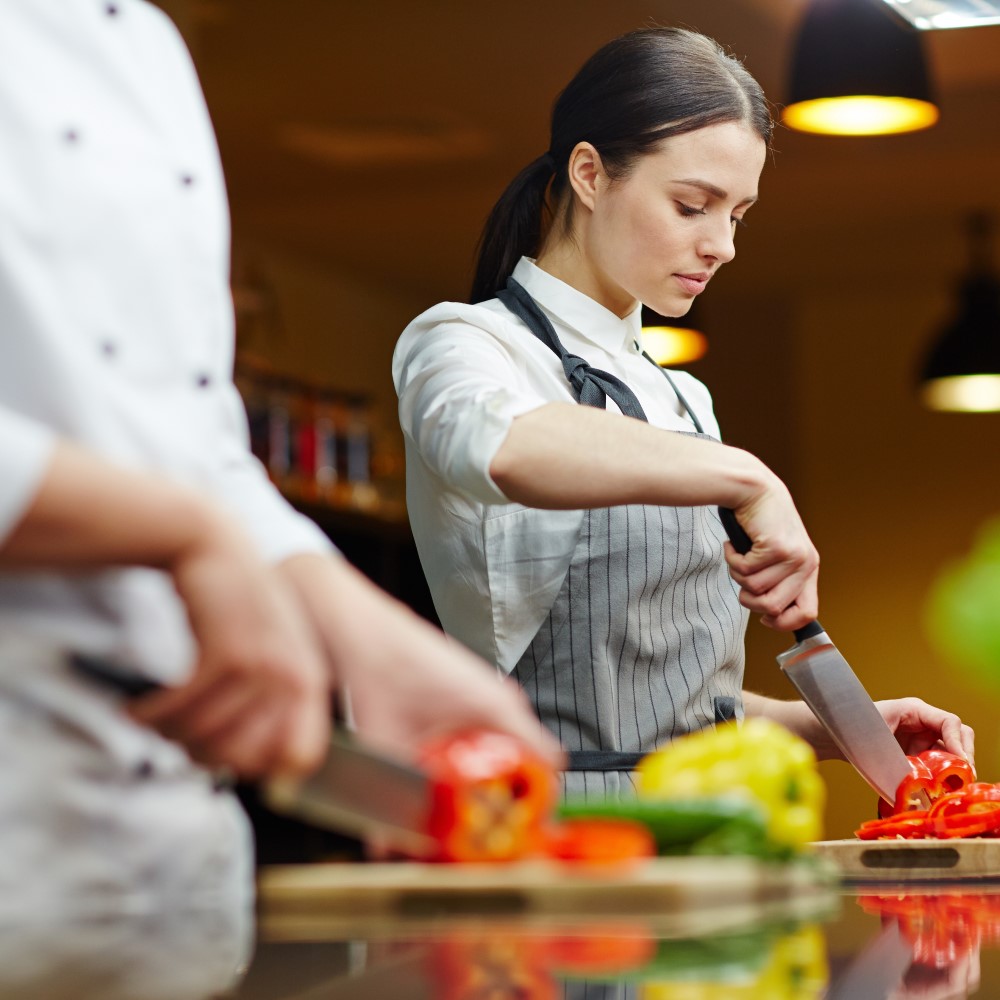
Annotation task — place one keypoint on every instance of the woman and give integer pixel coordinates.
(579, 547)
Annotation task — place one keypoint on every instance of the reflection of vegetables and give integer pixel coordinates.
(757, 760)
(690, 826)
(770, 962)
(491, 797)
(482, 966)
(943, 929)
(793, 967)
(595, 952)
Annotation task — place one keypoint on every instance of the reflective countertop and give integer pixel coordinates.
(863, 943)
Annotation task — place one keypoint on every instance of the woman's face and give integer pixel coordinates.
(660, 233)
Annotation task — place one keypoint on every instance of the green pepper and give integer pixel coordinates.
(696, 826)
(756, 761)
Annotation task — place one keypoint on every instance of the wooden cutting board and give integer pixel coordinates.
(294, 898)
(913, 860)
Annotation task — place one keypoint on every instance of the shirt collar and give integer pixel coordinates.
(569, 308)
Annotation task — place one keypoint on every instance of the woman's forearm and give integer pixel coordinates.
(796, 716)
(563, 456)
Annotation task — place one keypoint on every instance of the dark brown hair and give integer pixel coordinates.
(633, 92)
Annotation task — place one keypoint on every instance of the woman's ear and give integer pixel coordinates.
(586, 173)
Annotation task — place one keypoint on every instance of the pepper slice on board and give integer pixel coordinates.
(910, 826)
(600, 841)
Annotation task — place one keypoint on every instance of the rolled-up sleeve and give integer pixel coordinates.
(26, 448)
(459, 391)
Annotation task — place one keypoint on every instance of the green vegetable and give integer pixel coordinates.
(696, 826)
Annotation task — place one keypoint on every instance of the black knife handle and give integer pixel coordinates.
(126, 682)
(743, 543)
(740, 539)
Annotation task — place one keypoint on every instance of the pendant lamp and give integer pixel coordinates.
(857, 70)
(962, 370)
(672, 342)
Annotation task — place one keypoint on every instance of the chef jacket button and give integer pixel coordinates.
(187, 180)
(203, 381)
(71, 136)
(111, 9)
(109, 348)
(144, 769)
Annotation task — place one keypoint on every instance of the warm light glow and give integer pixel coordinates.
(860, 115)
(965, 393)
(673, 345)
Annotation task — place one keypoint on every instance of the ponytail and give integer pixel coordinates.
(513, 229)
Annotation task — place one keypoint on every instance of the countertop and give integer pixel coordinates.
(928, 941)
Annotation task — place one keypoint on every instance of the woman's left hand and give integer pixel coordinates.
(919, 726)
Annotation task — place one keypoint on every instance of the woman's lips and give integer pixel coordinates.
(693, 283)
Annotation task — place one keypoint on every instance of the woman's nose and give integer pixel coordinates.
(718, 243)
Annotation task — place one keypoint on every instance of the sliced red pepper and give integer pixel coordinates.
(951, 771)
(961, 801)
(910, 826)
(916, 790)
(491, 797)
(600, 841)
(934, 773)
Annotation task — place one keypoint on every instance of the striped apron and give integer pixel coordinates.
(644, 641)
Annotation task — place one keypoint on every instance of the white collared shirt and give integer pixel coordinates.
(463, 373)
(116, 319)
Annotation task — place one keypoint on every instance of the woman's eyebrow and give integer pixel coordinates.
(716, 192)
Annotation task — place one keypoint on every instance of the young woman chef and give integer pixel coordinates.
(563, 489)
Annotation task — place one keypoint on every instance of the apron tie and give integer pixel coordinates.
(591, 386)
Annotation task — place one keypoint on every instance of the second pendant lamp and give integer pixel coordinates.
(857, 69)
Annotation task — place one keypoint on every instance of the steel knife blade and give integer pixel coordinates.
(354, 790)
(828, 685)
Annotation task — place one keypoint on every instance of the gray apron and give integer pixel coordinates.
(644, 641)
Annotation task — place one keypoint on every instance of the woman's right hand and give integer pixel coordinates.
(778, 577)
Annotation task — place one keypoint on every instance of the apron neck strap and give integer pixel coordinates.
(590, 385)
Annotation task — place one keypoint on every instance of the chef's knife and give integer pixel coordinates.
(837, 698)
(353, 791)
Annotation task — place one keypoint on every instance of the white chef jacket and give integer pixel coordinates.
(463, 373)
(116, 331)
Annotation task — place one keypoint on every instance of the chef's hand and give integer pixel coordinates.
(778, 576)
(407, 683)
(919, 726)
(258, 700)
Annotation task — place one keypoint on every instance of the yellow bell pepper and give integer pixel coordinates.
(757, 760)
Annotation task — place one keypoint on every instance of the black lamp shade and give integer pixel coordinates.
(857, 47)
(970, 344)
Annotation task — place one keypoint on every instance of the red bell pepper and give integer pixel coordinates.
(601, 841)
(910, 826)
(951, 771)
(916, 790)
(934, 773)
(972, 811)
(492, 797)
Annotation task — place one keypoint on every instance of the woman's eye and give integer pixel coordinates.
(739, 222)
(689, 210)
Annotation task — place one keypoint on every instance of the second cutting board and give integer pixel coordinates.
(913, 860)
